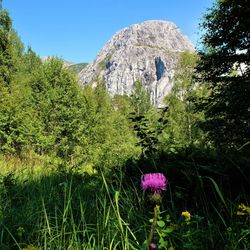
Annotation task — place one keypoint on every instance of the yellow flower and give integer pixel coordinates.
(240, 213)
(243, 209)
(187, 215)
(31, 247)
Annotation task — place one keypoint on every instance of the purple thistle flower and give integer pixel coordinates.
(156, 182)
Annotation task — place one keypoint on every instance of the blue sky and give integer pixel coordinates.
(76, 30)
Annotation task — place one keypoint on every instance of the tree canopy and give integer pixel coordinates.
(224, 64)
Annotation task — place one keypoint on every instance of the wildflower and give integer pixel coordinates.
(240, 213)
(243, 209)
(152, 246)
(155, 182)
(187, 215)
(31, 247)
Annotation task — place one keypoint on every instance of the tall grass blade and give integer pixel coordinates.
(216, 189)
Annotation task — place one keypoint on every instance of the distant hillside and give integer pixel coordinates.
(77, 67)
(67, 63)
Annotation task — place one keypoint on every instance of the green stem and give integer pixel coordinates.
(154, 224)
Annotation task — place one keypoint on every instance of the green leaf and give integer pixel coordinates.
(162, 244)
(161, 223)
(168, 230)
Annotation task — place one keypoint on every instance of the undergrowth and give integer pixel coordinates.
(43, 207)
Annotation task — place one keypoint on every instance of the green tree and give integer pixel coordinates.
(16, 115)
(122, 104)
(30, 62)
(56, 97)
(140, 99)
(109, 138)
(181, 129)
(11, 49)
(18, 120)
(224, 64)
(146, 122)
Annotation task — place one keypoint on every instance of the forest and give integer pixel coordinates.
(80, 169)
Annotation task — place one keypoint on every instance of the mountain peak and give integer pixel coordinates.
(147, 52)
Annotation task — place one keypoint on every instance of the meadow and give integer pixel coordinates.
(43, 207)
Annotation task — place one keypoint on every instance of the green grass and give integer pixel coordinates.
(44, 208)
(66, 211)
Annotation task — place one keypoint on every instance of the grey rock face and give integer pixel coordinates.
(147, 52)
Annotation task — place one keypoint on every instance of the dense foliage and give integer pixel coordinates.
(182, 120)
(225, 64)
(44, 110)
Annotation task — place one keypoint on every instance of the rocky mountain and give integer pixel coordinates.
(147, 52)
